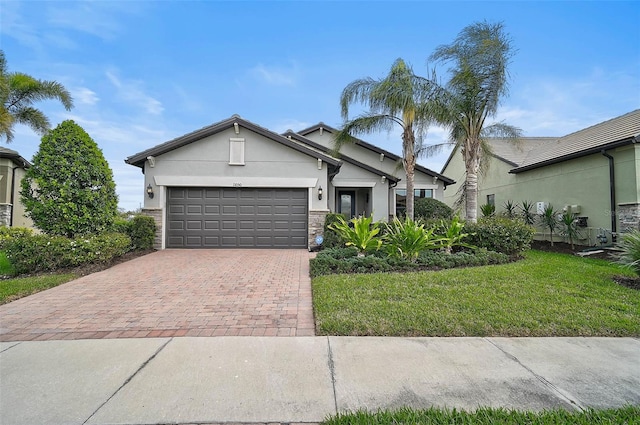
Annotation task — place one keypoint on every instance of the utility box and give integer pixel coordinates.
(576, 209)
(540, 207)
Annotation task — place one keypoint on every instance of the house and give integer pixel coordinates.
(234, 184)
(594, 173)
(12, 170)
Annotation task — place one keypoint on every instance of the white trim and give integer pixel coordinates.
(352, 183)
(211, 181)
(236, 151)
(163, 207)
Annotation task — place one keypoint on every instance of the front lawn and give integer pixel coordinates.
(546, 294)
(626, 415)
(12, 289)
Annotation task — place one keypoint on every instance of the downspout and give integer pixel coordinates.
(612, 195)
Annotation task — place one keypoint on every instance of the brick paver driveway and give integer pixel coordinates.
(173, 293)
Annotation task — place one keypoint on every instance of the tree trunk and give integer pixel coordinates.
(409, 163)
(472, 164)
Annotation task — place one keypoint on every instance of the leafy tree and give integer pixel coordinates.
(479, 79)
(69, 189)
(401, 98)
(18, 92)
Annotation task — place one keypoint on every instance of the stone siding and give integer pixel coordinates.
(628, 217)
(316, 226)
(5, 214)
(156, 213)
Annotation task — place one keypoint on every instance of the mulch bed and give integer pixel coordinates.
(565, 248)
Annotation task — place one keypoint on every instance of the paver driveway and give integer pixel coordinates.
(173, 293)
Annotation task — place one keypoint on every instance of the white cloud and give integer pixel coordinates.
(131, 92)
(85, 96)
(276, 75)
(13, 25)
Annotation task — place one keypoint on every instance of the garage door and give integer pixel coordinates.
(236, 218)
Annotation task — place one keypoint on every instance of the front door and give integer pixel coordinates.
(347, 203)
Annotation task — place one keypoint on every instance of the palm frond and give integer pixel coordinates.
(33, 118)
(363, 124)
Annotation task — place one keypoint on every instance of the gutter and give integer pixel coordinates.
(612, 194)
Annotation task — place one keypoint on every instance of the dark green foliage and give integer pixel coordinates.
(345, 260)
(69, 188)
(331, 237)
(569, 227)
(510, 209)
(487, 416)
(499, 234)
(8, 233)
(39, 253)
(142, 230)
(527, 214)
(431, 208)
(549, 220)
(488, 210)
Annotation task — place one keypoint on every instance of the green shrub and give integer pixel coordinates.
(361, 233)
(488, 210)
(498, 234)
(630, 255)
(39, 253)
(142, 231)
(331, 237)
(431, 208)
(345, 260)
(406, 239)
(8, 233)
(452, 235)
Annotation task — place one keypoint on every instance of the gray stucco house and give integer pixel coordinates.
(234, 184)
(12, 170)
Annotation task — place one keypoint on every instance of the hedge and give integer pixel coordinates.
(508, 236)
(40, 253)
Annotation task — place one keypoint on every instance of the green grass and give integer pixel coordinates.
(434, 416)
(12, 289)
(546, 294)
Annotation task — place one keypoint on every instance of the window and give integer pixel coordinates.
(491, 199)
(236, 151)
(401, 198)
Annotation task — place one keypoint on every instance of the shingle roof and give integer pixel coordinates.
(139, 158)
(15, 156)
(378, 150)
(516, 152)
(609, 134)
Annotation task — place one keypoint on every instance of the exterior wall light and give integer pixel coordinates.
(150, 191)
(320, 193)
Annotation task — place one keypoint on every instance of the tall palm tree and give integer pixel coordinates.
(18, 92)
(479, 79)
(401, 98)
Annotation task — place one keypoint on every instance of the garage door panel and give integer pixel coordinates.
(236, 218)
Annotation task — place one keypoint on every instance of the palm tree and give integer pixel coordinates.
(401, 98)
(18, 92)
(479, 79)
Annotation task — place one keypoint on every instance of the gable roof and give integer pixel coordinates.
(376, 149)
(14, 156)
(616, 132)
(139, 158)
(344, 158)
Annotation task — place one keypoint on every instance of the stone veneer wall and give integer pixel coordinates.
(316, 226)
(629, 217)
(156, 213)
(5, 214)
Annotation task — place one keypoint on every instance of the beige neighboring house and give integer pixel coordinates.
(12, 170)
(594, 173)
(235, 184)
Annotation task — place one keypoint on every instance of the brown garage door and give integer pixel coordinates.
(236, 218)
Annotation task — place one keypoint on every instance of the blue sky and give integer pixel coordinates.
(142, 73)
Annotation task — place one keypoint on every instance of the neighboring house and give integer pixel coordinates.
(594, 173)
(12, 170)
(235, 184)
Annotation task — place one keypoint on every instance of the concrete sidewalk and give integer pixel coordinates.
(305, 379)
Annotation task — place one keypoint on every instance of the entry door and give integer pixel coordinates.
(347, 203)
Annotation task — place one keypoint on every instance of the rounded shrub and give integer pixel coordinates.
(331, 238)
(430, 208)
(500, 234)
